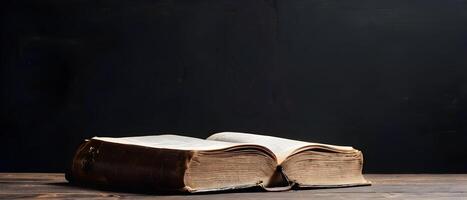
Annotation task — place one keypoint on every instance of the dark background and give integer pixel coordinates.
(387, 77)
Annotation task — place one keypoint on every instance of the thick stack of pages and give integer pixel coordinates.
(223, 161)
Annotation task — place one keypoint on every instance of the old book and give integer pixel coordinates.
(224, 161)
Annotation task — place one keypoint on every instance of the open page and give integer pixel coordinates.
(280, 146)
(171, 142)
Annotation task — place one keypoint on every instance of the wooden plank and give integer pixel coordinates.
(274, 196)
(396, 186)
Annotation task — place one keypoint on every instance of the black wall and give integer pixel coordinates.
(388, 77)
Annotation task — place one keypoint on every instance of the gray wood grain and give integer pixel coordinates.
(387, 186)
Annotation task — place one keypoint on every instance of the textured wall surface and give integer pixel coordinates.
(388, 77)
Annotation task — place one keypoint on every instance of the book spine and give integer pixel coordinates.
(129, 167)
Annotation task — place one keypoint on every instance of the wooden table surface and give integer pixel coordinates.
(387, 186)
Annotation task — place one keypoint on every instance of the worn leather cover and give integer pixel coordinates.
(129, 167)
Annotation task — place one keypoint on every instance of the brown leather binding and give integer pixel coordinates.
(141, 168)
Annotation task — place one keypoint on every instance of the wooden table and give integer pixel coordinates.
(387, 186)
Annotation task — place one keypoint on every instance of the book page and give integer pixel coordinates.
(171, 142)
(280, 146)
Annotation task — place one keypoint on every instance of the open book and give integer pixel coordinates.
(223, 161)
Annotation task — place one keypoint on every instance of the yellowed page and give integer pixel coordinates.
(280, 146)
(171, 142)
